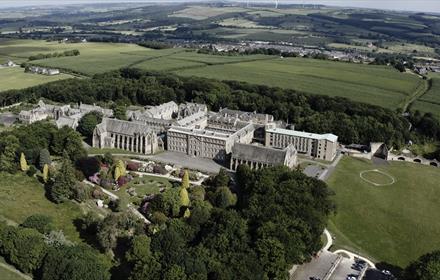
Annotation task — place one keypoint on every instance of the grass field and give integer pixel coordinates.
(430, 101)
(22, 196)
(7, 274)
(94, 57)
(241, 23)
(378, 85)
(203, 12)
(365, 83)
(393, 224)
(16, 78)
(144, 185)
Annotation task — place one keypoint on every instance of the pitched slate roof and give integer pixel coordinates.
(122, 127)
(258, 153)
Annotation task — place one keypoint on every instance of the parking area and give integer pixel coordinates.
(345, 270)
(331, 266)
(7, 119)
(319, 267)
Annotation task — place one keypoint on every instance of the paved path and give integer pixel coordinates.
(350, 255)
(130, 206)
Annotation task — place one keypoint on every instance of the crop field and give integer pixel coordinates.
(409, 48)
(16, 78)
(253, 33)
(430, 101)
(241, 23)
(399, 212)
(378, 85)
(94, 58)
(202, 12)
(365, 83)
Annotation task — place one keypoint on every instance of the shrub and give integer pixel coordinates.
(133, 166)
(159, 169)
(123, 180)
(40, 222)
(31, 171)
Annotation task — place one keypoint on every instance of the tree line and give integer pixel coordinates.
(55, 54)
(353, 122)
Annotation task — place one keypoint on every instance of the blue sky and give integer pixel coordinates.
(408, 5)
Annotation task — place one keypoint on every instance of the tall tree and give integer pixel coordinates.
(75, 263)
(23, 163)
(45, 173)
(185, 179)
(8, 149)
(88, 122)
(119, 169)
(184, 197)
(44, 158)
(427, 267)
(64, 183)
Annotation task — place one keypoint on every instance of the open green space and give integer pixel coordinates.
(430, 101)
(9, 275)
(377, 85)
(202, 12)
(22, 196)
(16, 78)
(393, 224)
(143, 186)
(94, 57)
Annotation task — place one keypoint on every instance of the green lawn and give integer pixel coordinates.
(9, 274)
(377, 85)
(144, 186)
(16, 78)
(22, 196)
(430, 101)
(394, 224)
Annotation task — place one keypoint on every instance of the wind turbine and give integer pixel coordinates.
(276, 4)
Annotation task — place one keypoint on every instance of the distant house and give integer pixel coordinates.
(10, 63)
(43, 71)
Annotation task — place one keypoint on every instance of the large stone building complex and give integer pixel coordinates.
(320, 146)
(224, 136)
(64, 115)
(125, 135)
(205, 142)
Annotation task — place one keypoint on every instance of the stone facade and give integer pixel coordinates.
(320, 146)
(205, 142)
(44, 71)
(257, 157)
(63, 115)
(126, 135)
(42, 112)
(164, 111)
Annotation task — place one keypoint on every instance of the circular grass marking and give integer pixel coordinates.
(388, 177)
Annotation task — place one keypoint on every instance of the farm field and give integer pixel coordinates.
(22, 196)
(16, 78)
(401, 216)
(377, 85)
(94, 57)
(430, 101)
(201, 12)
